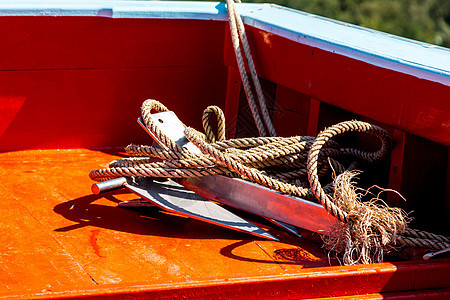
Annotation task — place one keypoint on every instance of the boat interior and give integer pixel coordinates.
(72, 82)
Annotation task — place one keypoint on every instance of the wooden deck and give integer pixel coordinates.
(59, 240)
(59, 237)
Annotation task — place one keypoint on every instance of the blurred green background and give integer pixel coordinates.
(423, 20)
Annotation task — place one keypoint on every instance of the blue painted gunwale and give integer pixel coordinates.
(381, 49)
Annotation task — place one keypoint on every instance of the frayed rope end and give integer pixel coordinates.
(372, 229)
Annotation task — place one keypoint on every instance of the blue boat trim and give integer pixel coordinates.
(378, 48)
(116, 9)
(388, 51)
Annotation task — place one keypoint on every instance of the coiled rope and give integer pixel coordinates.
(290, 165)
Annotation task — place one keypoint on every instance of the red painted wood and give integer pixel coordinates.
(415, 105)
(232, 101)
(447, 194)
(85, 78)
(424, 170)
(396, 167)
(313, 121)
(290, 105)
(99, 107)
(90, 42)
(245, 125)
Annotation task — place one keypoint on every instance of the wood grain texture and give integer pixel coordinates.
(58, 237)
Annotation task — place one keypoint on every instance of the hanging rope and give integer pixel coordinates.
(238, 37)
(292, 166)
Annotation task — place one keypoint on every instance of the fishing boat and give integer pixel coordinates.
(73, 78)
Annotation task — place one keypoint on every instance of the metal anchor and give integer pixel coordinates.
(172, 127)
(173, 197)
(285, 211)
(188, 196)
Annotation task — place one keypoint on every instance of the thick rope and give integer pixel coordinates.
(367, 229)
(322, 138)
(288, 165)
(210, 136)
(147, 108)
(238, 36)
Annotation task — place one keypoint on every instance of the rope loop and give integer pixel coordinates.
(153, 105)
(291, 166)
(210, 137)
(322, 139)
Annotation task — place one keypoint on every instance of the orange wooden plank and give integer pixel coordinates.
(115, 245)
(306, 284)
(31, 260)
(57, 234)
(296, 253)
(106, 239)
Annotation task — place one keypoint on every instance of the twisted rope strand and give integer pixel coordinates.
(251, 65)
(278, 163)
(210, 136)
(241, 66)
(322, 138)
